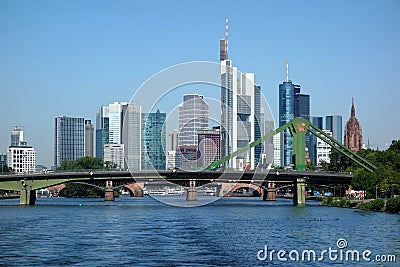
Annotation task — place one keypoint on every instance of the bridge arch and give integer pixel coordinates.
(257, 188)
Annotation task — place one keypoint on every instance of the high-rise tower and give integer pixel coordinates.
(240, 112)
(69, 139)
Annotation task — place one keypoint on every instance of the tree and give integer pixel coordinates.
(85, 163)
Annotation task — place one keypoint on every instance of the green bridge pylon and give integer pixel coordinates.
(298, 128)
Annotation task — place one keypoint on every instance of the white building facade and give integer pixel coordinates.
(22, 159)
(323, 150)
(115, 153)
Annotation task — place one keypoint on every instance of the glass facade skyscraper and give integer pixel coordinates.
(102, 130)
(69, 139)
(334, 124)
(286, 114)
(153, 141)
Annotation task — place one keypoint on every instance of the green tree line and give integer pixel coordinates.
(384, 182)
(85, 163)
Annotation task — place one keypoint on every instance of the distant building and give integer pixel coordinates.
(173, 140)
(352, 132)
(69, 143)
(312, 150)
(89, 138)
(323, 150)
(3, 159)
(132, 135)
(269, 143)
(186, 157)
(193, 116)
(171, 159)
(22, 159)
(115, 153)
(17, 136)
(153, 141)
(102, 130)
(277, 150)
(286, 114)
(209, 147)
(333, 123)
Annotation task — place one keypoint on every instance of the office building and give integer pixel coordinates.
(115, 153)
(132, 135)
(312, 150)
(186, 157)
(333, 123)
(21, 159)
(102, 130)
(69, 143)
(269, 126)
(286, 114)
(241, 114)
(209, 147)
(277, 150)
(17, 136)
(171, 159)
(323, 150)
(89, 138)
(193, 116)
(153, 141)
(353, 132)
(173, 140)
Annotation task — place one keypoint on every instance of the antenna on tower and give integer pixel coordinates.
(226, 37)
(287, 70)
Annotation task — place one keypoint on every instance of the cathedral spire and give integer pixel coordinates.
(353, 110)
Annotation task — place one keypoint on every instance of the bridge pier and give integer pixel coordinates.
(299, 197)
(192, 191)
(109, 193)
(270, 193)
(27, 197)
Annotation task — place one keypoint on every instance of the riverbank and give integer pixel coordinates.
(391, 205)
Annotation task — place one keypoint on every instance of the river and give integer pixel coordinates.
(228, 232)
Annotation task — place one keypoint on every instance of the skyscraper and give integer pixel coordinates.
(352, 132)
(132, 135)
(193, 116)
(333, 123)
(286, 114)
(153, 141)
(241, 114)
(292, 104)
(69, 139)
(115, 122)
(89, 138)
(302, 105)
(102, 130)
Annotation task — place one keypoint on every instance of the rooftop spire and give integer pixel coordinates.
(287, 70)
(226, 36)
(353, 110)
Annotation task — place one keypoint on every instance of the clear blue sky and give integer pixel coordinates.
(69, 57)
